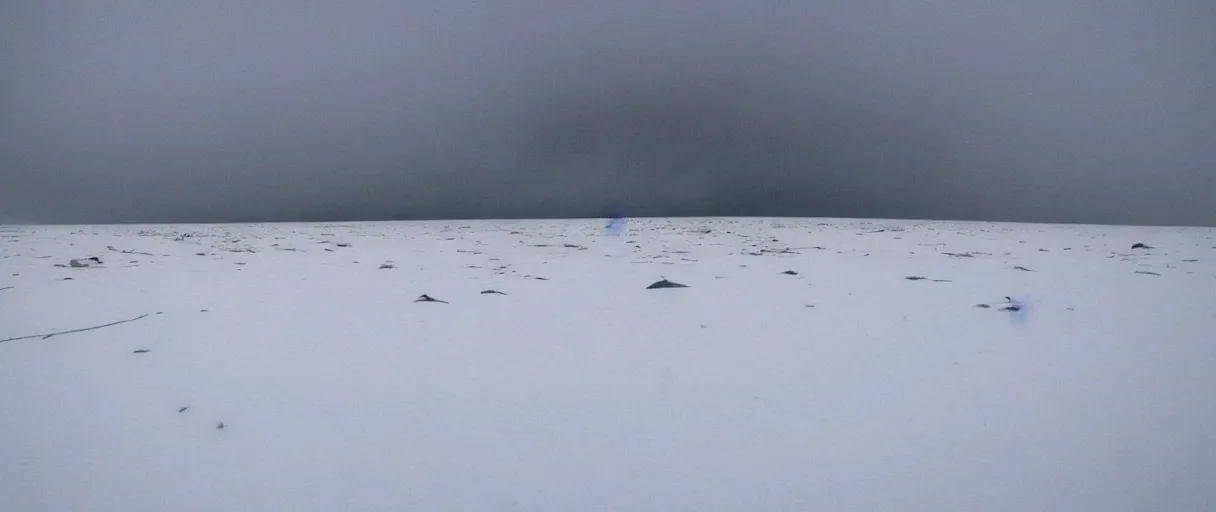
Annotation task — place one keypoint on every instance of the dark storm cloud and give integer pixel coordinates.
(1065, 110)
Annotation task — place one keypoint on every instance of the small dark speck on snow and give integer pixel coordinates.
(140, 351)
(183, 409)
(1147, 273)
(790, 273)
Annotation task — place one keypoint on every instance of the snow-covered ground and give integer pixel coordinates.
(845, 386)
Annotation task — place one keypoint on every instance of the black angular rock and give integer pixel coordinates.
(427, 298)
(1139, 245)
(790, 273)
(665, 284)
(183, 409)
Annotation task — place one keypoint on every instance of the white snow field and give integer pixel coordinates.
(845, 387)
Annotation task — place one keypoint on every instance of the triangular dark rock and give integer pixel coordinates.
(665, 284)
(790, 273)
(1139, 245)
(427, 298)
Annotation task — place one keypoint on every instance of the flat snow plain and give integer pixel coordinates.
(841, 386)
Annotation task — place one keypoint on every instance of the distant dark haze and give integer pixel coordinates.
(1034, 110)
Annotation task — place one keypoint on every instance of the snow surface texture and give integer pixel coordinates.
(843, 385)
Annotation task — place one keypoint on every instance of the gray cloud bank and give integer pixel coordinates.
(1039, 110)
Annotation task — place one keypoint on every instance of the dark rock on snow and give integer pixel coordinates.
(665, 284)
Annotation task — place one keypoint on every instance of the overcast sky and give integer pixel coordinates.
(1034, 110)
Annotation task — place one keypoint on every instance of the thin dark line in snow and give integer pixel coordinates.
(47, 336)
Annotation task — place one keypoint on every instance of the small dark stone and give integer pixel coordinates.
(219, 426)
(183, 409)
(915, 278)
(141, 351)
(1023, 269)
(665, 284)
(790, 273)
(982, 306)
(386, 266)
(1139, 245)
(343, 244)
(1147, 273)
(492, 292)
(427, 298)
(1012, 308)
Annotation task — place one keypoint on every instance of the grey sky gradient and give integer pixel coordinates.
(1038, 110)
